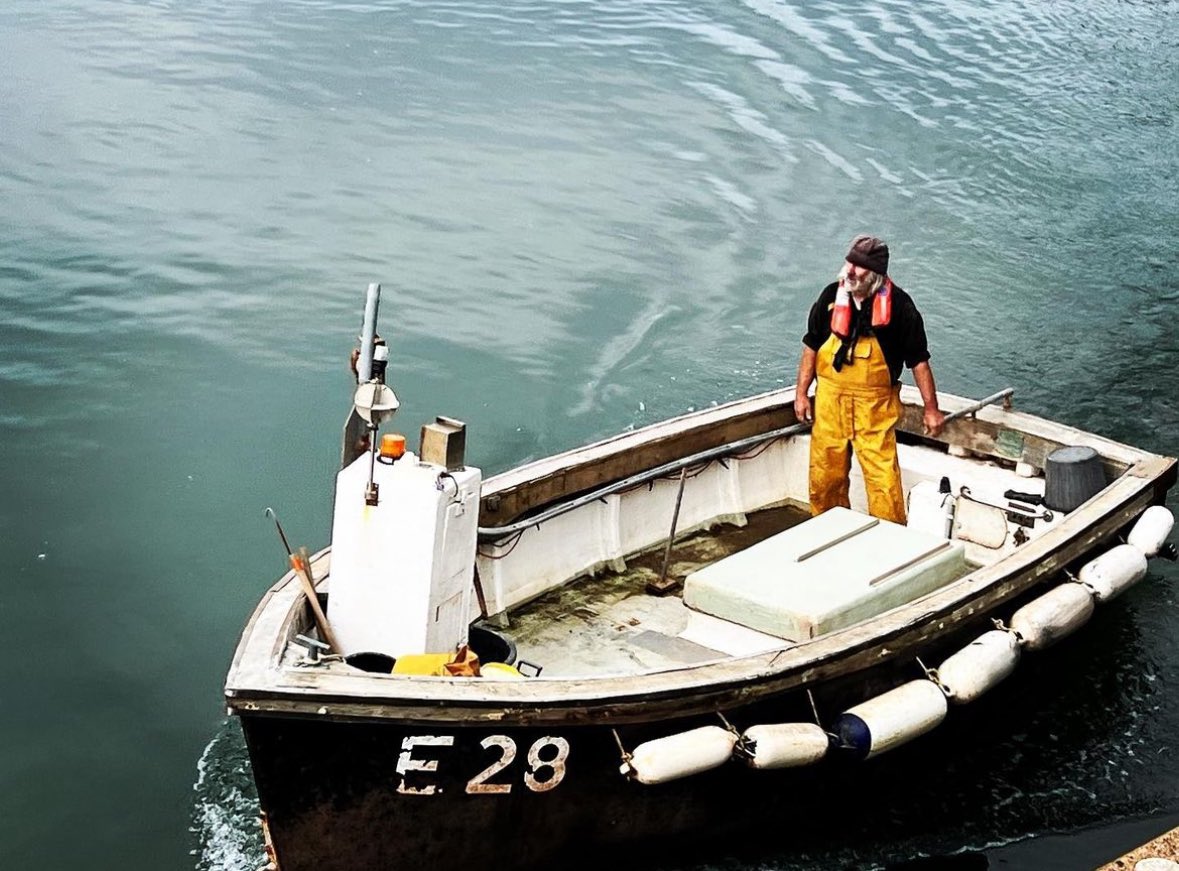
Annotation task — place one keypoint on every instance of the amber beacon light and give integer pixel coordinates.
(392, 446)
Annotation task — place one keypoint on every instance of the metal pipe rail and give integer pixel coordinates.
(487, 533)
(1004, 395)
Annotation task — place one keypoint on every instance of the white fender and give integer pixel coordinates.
(1114, 572)
(979, 666)
(785, 745)
(680, 755)
(1059, 612)
(891, 719)
(1152, 529)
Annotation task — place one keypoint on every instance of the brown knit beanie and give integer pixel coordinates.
(870, 253)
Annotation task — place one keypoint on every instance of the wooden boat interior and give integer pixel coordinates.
(572, 588)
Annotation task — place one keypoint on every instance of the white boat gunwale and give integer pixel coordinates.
(515, 493)
(257, 683)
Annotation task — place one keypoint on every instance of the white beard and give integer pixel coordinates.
(861, 288)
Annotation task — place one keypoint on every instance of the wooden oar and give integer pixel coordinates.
(301, 563)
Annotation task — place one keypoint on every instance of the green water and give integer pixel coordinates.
(586, 216)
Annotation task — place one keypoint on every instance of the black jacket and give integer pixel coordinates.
(902, 341)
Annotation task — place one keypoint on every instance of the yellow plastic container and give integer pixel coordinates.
(500, 671)
(422, 663)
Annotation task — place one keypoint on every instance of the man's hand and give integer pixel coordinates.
(934, 421)
(802, 409)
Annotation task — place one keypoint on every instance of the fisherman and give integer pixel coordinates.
(862, 331)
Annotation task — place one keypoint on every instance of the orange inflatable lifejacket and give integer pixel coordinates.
(841, 308)
(841, 312)
(882, 304)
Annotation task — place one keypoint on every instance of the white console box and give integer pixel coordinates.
(824, 574)
(401, 575)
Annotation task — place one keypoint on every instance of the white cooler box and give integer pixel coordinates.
(824, 574)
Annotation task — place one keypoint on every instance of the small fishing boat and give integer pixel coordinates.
(636, 641)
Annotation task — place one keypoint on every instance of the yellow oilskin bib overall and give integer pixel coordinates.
(856, 408)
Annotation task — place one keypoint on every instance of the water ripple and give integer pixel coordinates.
(589, 214)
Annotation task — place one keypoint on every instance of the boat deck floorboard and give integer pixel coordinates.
(610, 624)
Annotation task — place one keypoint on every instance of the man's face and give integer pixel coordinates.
(858, 280)
(855, 273)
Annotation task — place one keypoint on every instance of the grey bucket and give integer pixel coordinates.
(1072, 475)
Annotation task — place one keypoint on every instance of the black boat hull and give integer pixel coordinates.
(383, 796)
